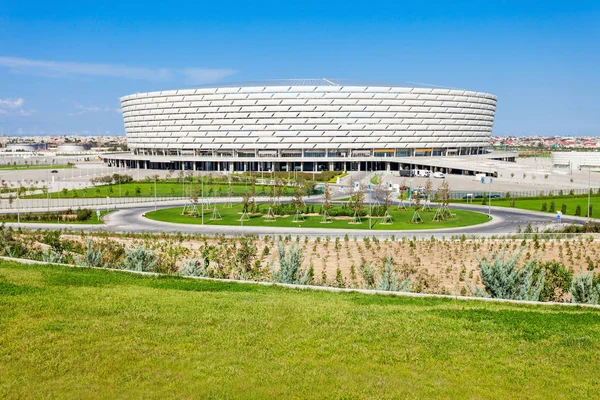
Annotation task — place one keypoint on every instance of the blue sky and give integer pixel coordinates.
(64, 65)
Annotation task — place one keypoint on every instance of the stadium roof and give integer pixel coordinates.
(322, 82)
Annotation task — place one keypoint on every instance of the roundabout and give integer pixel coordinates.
(397, 220)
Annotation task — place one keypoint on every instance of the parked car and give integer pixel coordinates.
(439, 175)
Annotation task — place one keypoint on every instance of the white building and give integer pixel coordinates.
(576, 159)
(309, 125)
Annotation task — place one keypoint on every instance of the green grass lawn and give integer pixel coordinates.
(162, 190)
(375, 180)
(231, 216)
(536, 204)
(34, 166)
(90, 221)
(96, 334)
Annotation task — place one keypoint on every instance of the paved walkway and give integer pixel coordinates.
(504, 221)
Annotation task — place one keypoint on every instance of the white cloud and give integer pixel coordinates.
(67, 69)
(11, 103)
(14, 107)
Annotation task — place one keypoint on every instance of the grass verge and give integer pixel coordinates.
(81, 333)
(146, 189)
(26, 218)
(536, 204)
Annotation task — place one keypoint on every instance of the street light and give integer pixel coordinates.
(490, 196)
(589, 190)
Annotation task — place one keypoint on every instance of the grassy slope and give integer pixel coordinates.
(536, 204)
(80, 333)
(401, 219)
(147, 189)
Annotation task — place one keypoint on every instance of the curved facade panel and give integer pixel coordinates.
(323, 120)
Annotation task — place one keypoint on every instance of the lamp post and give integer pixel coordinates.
(589, 190)
(370, 212)
(490, 196)
(18, 207)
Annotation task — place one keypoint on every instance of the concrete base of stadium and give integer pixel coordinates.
(461, 165)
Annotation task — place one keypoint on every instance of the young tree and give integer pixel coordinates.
(443, 211)
(298, 197)
(387, 200)
(248, 198)
(279, 189)
(327, 198)
(416, 201)
(357, 202)
(428, 189)
(379, 191)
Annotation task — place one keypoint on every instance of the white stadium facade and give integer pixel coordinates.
(303, 125)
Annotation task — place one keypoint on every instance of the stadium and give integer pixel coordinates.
(303, 125)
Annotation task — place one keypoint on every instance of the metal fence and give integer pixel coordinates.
(93, 203)
(463, 194)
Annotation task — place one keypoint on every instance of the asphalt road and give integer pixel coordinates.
(503, 221)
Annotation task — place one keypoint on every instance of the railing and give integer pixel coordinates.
(74, 203)
(522, 193)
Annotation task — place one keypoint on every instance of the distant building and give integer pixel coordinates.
(14, 147)
(576, 159)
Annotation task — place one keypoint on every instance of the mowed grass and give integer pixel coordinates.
(162, 190)
(536, 204)
(400, 219)
(95, 334)
(93, 220)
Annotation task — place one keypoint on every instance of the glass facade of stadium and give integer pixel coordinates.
(302, 125)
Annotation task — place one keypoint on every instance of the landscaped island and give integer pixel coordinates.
(341, 217)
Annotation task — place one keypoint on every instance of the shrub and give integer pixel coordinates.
(50, 256)
(197, 267)
(503, 280)
(84, 214)
(552, 207)
(583, 290)
(290, 262)
(339, 278)
(563, 209)
(91, 257)
(544, 206)
(557, 280)
(578, 210)
(367, 273)
(139, 259)
(389, 279)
